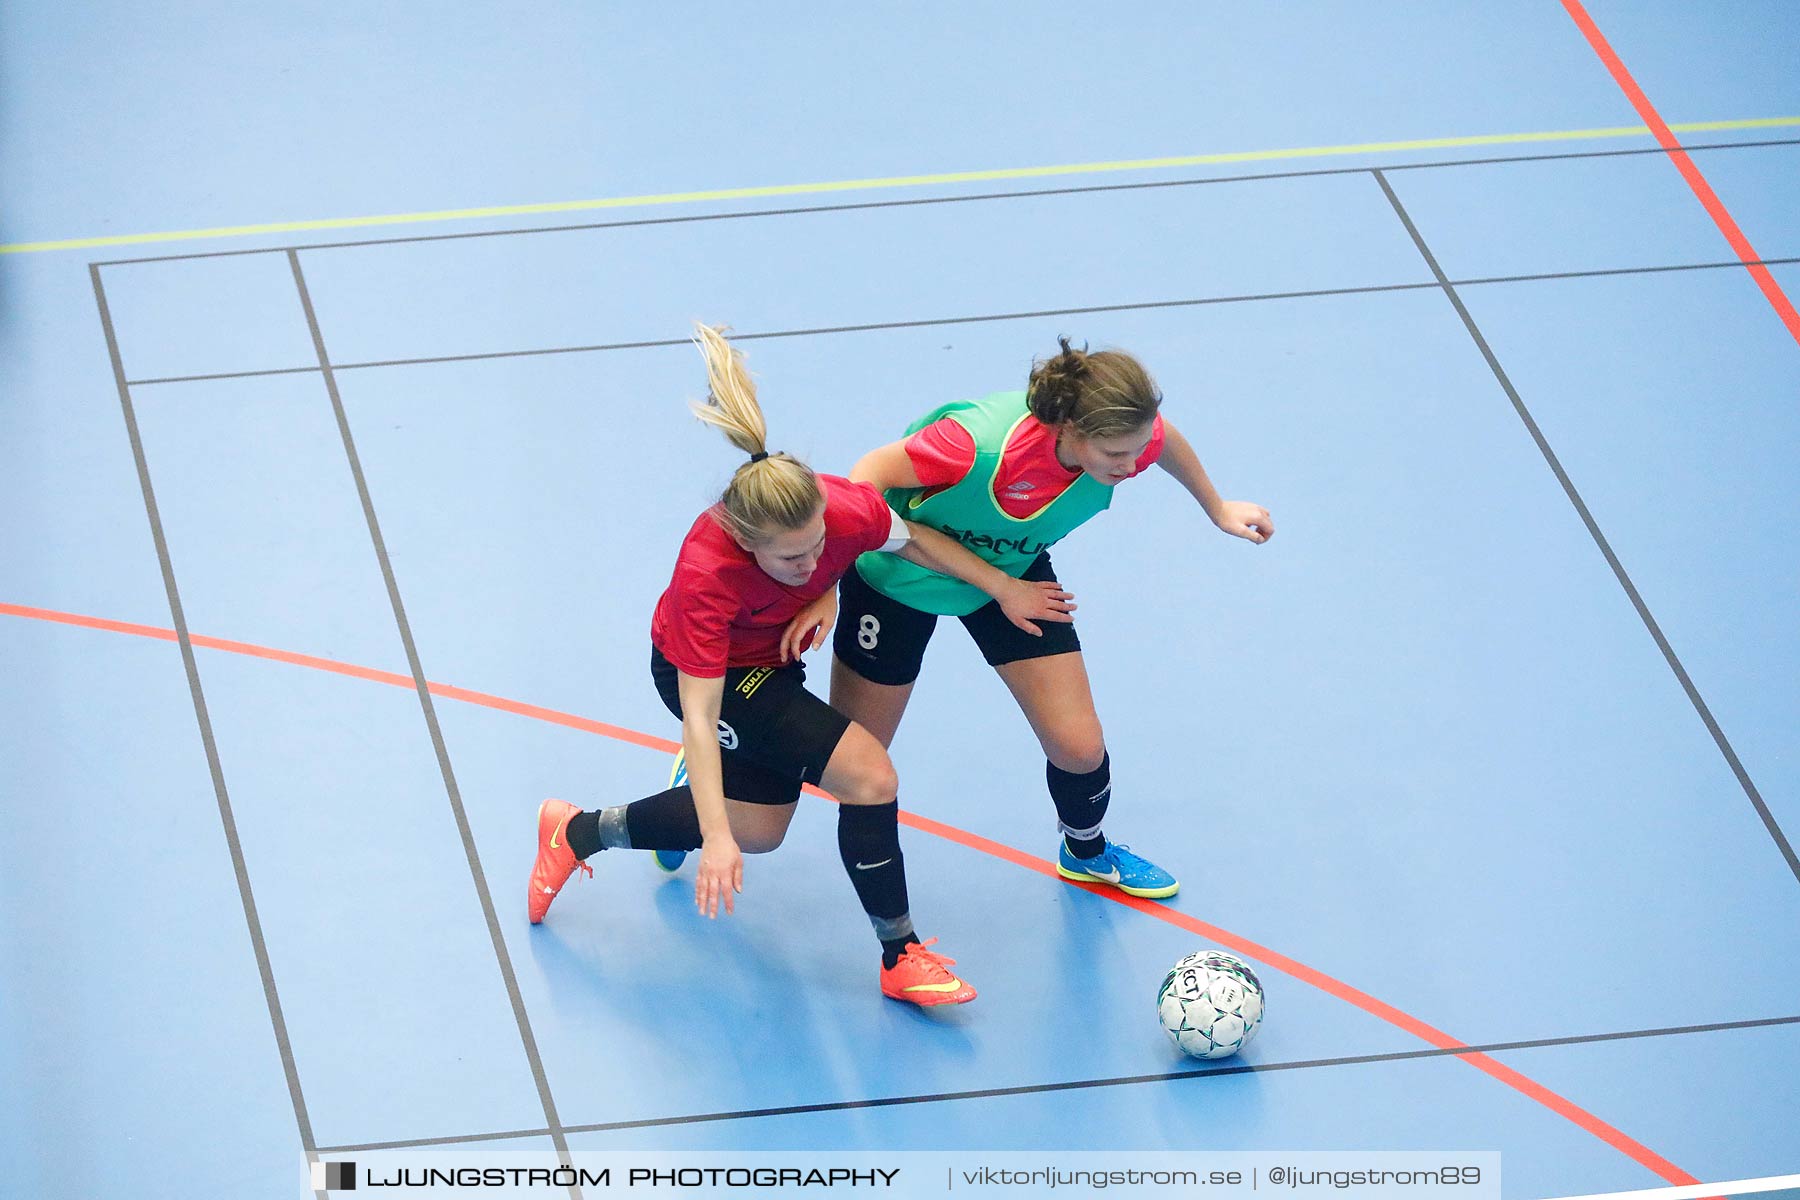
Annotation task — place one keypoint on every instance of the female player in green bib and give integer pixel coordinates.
(1009, 476)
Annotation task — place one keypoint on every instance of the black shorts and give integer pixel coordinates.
(774, 735)
(884, 640)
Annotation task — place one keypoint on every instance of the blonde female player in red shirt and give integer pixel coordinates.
(753, 587)
(1010, 475)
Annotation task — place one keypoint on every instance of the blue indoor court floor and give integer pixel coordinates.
(344, 452)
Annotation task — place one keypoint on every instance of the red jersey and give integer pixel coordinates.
(1030, 475)
(722, 610)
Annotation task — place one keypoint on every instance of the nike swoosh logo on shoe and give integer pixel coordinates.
(871, 866)
(554, 844)
(1111, 876)
(952, 986)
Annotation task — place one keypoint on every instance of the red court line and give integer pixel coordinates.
(1784, 308)
(448, 691)
(962, 837)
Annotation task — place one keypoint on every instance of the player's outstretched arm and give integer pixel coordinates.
(721, 872)
(1240, 518)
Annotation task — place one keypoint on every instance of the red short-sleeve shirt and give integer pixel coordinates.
(721, 610)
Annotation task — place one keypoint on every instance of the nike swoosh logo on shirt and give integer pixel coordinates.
(871, 866)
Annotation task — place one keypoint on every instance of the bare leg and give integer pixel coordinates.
(1056, 698)
(860, 771)
(877, 707)
(758, 828)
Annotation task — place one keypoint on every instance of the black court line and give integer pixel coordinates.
(258, 374)
(1024, 193)
(871, 327)
(1593, 528)
(1077, 1084)
(271, 997)
(526, 1037)
(1143, 306)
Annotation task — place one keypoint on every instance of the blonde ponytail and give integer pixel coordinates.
(771, 493)
(730, 405)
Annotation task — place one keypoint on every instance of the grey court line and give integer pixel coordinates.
(926, 323)
(277, 1021)
(526, 1036)
(1587, 518)
(1078, 1084)
(863, 206)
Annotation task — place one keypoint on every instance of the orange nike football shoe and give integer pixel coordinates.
(555, 861)
(922, 976)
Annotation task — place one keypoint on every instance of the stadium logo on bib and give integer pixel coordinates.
(983, 541)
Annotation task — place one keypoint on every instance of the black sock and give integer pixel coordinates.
(1081, 802)
(869, 844)
(665, 821)
(893, 948)
(584, 833)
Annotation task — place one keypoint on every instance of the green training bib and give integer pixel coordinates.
(968, 512)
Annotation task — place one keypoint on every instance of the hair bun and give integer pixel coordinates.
(1071, 361)
(1056, 384)
(1103, 393)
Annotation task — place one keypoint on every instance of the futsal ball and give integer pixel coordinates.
(1210, 1004)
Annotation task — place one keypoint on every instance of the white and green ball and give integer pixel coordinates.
(1210, 1004)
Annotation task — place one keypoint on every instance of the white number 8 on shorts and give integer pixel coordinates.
(867, 631)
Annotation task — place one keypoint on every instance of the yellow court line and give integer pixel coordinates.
(898, 181)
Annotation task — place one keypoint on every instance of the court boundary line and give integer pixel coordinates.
(746, 214)
(1293, 968)
(981, 318)
(1703, 192)
(1593, 527)
(221, 795)
(527, 1037)
(1073, 1085)
(892, 182)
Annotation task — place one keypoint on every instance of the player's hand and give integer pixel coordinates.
(808, 629)
(1027, 601)
(1240, 518)
(719, 877)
